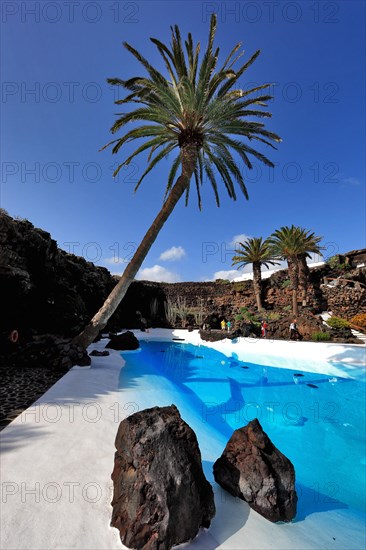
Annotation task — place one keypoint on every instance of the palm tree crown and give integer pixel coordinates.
(254, 250)
(196, 106)
(258, 252)
(291, 242)
(295, 244)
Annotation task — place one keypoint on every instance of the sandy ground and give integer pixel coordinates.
(57, 458)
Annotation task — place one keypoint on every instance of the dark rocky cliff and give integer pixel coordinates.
(46, 290)
(42, 287)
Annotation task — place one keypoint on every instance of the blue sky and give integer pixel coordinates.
(57, 109)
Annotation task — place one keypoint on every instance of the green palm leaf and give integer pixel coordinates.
(196, 105)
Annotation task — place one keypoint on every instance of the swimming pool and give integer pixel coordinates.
(317, 420)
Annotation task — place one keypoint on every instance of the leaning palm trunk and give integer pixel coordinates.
(197, 111)
(257, 284)
(100, 319)
(303, 278)
(294, 278)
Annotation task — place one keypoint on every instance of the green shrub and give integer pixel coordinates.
(287, 308)
(223, 281)
(334, 264)
(359, 320)
(241, 285)
(320, 336)
(273, 316)
(250, 316)
(337, 322)
(286, 283)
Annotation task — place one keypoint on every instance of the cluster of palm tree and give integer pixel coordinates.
(293, 244)
(197, 110)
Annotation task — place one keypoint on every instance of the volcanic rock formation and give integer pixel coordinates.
(161, 496)
(125, 341)
(253, 469)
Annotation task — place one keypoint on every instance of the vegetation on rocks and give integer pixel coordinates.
(320, 336)
(337, 323)
(359, 320)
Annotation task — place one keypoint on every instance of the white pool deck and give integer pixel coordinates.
(57, 459)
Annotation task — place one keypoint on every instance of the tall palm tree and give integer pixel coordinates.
(310, 244)
(294, 245)
(258, 252)
(196, 111)
(286, 246)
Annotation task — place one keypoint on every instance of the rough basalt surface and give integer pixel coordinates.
(161, 496)
(253, 469)
(126, 341)
(217, 335)
(97, 353)
(44, 289)
(307, 324)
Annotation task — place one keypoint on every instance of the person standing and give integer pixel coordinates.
(294, 333)
(228, 326)
(264, 328)
(223, 324)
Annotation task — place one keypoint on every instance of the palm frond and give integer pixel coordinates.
(196, 103)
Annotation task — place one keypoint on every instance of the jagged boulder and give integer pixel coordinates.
(161, 496)
(213, 335)
(253, 469)
(125, 341)
(217, 335)
(97, 353)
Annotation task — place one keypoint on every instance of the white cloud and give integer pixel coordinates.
(114, 260)
(157, 273)
(238, 239)
(247, 274)
(229, 274)
(173, 254)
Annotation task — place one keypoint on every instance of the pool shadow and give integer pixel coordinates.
(166, 361)
(312, 501)
(354, 354)
(214, 414)
(20, 434)
(231, 512)
(184, 366)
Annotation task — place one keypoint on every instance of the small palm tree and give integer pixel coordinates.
(197, 112)
(294, 245)
(258, 252)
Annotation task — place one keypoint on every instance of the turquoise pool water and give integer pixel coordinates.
(317, 420)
